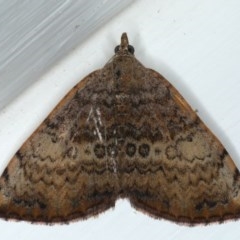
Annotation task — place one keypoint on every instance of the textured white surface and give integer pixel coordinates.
(34, 35)
(196, 46)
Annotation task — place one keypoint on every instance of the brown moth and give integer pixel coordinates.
(123, 132)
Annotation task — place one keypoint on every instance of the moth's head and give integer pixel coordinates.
(124, 48)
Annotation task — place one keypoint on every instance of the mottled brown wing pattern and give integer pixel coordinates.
(123, 131)
(59, 174)
(184, 174)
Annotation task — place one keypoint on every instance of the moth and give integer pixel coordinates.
(122, 132)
